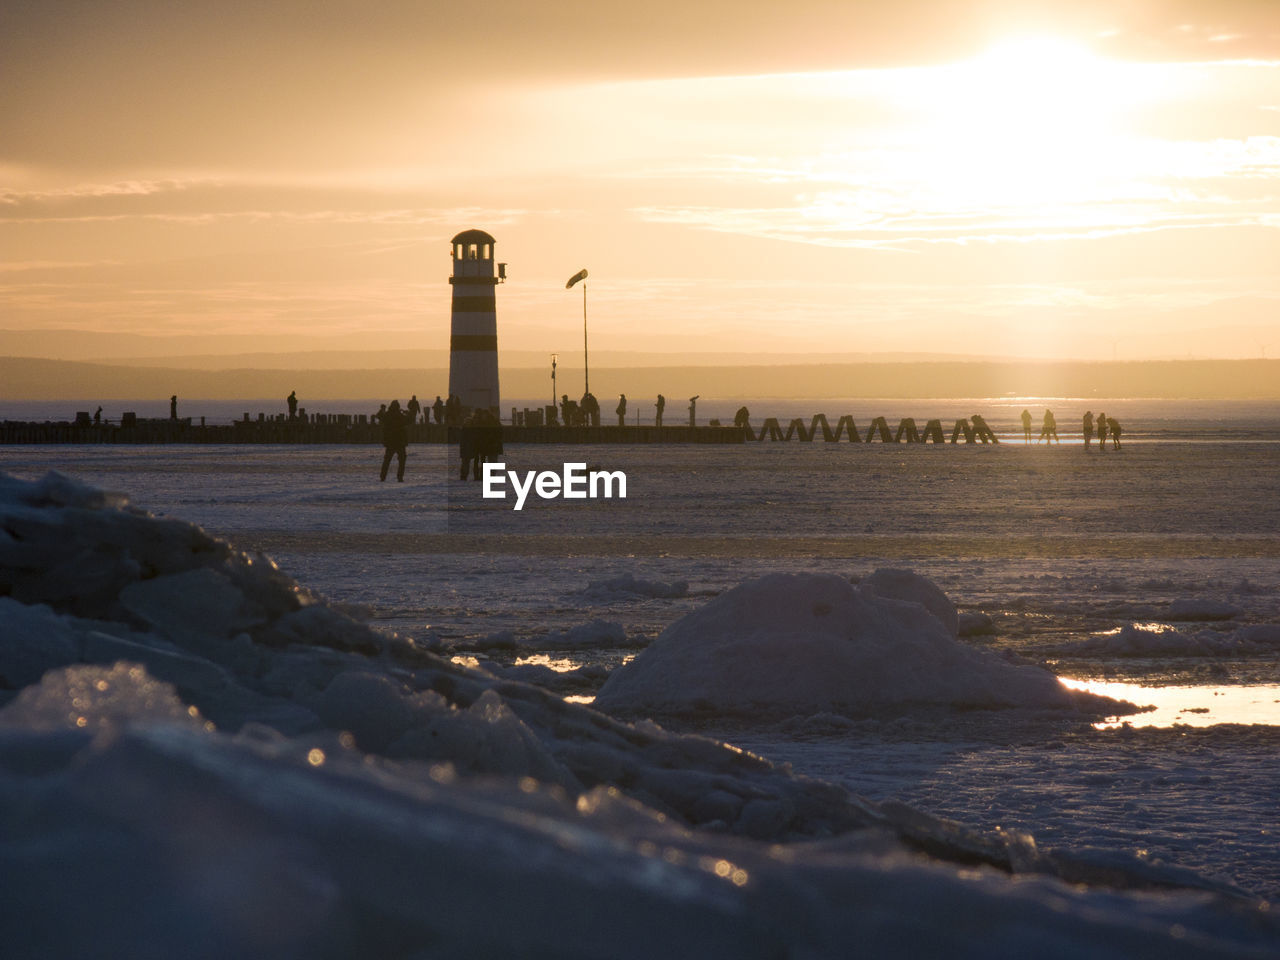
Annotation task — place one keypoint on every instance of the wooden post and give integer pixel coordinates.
(881, 426)
(907, 427)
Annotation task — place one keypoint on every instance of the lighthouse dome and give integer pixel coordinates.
(473, 236)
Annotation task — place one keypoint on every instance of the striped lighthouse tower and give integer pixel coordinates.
(473, 341)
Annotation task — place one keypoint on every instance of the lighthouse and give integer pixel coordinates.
(473, 340)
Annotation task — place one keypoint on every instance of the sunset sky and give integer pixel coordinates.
(1078, 179)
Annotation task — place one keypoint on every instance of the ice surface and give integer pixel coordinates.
(790, 644)
(258, 775)
(1163, 640)
(628, 586)
(1200, 608)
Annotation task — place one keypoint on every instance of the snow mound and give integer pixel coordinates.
(910, 587)
(593, 635)
(809, 643)
(629, 587)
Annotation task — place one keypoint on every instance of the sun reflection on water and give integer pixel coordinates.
(1192, 706)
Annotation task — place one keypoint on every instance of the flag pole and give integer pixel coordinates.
(586, 368)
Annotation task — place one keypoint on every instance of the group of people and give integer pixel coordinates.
(580, 413)
(586, 412)
(443, 411)
(479, 440)
(1104, 425)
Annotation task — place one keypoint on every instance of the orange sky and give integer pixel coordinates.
(1079, 179)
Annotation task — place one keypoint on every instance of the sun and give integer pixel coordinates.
(1034, 122)
(1041, 83)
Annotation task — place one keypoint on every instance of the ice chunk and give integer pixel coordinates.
(189, 607)
(806, 643)
(94, 698)
(596, 634)
(35, 639)
(909, 586)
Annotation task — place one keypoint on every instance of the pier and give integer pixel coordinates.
(348, 428)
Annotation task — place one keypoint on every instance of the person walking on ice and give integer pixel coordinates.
(1101, 424)
(394, 439)
(1026, 426)
(1086, 425)
(1114, 425)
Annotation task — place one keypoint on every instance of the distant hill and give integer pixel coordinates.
(353, 352)
(40, 379)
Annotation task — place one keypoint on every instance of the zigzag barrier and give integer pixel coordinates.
(907, 431)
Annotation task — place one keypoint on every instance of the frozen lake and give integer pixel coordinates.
(1060, 550)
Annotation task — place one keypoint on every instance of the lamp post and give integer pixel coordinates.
(586, 367)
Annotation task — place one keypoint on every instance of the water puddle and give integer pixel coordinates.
(1192, 706)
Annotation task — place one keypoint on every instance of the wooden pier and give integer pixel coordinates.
(295, 432)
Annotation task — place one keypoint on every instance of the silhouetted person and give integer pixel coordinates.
(1101, 423)
(661, 405)
(97, 417)
(414, 408)
(1049, 429)
(173, 407)
(742, 418)
(438, 409)
(453, 410)
(1026, 426)
(394, 439)
(590, 408)
(479, 440)
(382, 412)
(621, 410)
(693, 410)
(292, 401)
(1114, 426)
(1086, 426)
